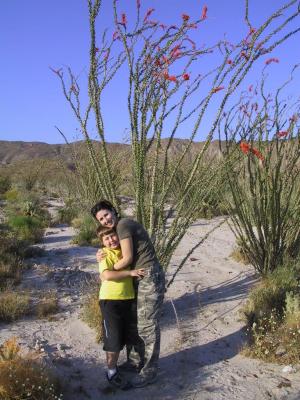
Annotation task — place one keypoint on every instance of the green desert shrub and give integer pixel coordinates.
(66, 214)
(273, 317)
(85, 231)
(11, 260)
(27, 228)
(271, 293)
(5, 184)
(13, 305)
(292, 309)
(12, 195)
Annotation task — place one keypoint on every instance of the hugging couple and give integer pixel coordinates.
(131, 295)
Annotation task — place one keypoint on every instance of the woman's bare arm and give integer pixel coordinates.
(119, 275)
(127, 254)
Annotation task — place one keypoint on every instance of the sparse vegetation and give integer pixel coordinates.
(273, 317)
(47, 305)
(239, 254)
(5, 184)
(11, 264)
(13, 305)
(27, 228)
(25, 377)
(85, 231)
(91, 313)
(66, 214)
(263, 175)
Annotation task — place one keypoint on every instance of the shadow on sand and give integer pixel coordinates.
(180, 373)
(188, 305)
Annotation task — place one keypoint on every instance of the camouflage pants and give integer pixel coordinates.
(150, 295)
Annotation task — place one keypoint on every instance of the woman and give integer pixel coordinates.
(138, 251)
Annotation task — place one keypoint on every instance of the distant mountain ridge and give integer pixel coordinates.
(15, 151)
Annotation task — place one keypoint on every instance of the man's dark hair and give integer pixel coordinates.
(103, 205)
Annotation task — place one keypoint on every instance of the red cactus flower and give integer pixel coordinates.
(165, 60)
(229, 61)
(271, 60)
(245, 147)
(157, 62)
(252, 30)
(123, 20)
(217, 89)
(185, 17)
(175, 52)
(204, 12)
(282, 134)
(257, 153)
(186, 77)
(148, 13)
(171, 78)
(243, 54)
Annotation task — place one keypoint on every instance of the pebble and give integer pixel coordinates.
(289, 369)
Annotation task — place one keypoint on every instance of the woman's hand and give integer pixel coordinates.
(100, 255)
(138, 273)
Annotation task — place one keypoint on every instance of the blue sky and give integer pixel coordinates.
(37, 34)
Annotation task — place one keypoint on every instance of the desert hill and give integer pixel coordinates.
(16, 151)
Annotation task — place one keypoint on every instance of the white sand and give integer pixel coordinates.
(199, 359)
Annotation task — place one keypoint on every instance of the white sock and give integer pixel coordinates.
(111, 372)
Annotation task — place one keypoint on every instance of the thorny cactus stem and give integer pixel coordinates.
(159, 60)
(265, 183)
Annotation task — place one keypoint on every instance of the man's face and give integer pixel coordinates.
(111, 241)
(106, 218)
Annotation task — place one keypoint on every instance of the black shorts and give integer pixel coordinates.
(119, 324)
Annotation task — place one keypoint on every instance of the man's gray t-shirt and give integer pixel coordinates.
(143, 251)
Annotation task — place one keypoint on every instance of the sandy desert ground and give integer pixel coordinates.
(200, 357)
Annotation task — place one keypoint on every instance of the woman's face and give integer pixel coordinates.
(107, 218)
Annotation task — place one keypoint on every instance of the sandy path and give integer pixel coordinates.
(199, 358)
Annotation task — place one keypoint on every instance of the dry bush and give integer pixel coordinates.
(273, 317)
(25, 377)
(91, 313)
(10, 260)
(47, 305)
(13, 305)
(239, 255)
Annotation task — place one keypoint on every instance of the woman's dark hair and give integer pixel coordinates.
(103, 205)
